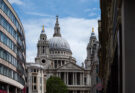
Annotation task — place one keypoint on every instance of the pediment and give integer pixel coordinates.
(70, 66)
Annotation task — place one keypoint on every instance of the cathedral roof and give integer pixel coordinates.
(71, 66)
(59, 43)
(34, 65)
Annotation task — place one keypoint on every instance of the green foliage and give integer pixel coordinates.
(56, 85)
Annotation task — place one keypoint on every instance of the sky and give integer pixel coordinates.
(76, 19)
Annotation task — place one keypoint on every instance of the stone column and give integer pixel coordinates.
(60, 74)
(56, 64)
(80, 78)
(61, 63)
(37, 83)
(67, 78)
(73, 78)
(83, 78)
(53, 64)
(7, 88)
(64, 78)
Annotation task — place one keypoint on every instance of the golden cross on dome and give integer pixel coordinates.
(43, 28)
(92, 29)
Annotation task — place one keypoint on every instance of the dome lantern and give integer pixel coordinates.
(57, 29)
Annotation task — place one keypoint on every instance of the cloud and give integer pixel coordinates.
(92, 14)
(90, 9)
(38, 14)
(75, 30)
(18, 2)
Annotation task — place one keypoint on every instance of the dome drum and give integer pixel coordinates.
(60, 50)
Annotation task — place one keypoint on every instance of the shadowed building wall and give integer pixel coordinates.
(116, 37)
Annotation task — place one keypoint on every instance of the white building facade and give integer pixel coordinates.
(36, 78)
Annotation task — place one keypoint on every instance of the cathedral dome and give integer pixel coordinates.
(59, 43)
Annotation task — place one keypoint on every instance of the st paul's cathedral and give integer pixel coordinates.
(54, 58)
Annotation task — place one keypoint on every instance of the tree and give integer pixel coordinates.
(56, 85)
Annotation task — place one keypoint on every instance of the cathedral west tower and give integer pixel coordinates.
(90, 50)
(92, 62)
(42, 49)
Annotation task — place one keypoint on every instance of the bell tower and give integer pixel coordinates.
(92, 41)
(42, 49)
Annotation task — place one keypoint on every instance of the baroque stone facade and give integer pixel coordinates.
(56, 58)
(92, 62)
(117, 47)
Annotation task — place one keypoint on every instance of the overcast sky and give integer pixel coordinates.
(76, 19)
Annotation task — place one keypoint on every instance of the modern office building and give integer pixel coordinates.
(12, 50)
(117, 46)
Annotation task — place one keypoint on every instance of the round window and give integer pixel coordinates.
(43, 61)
